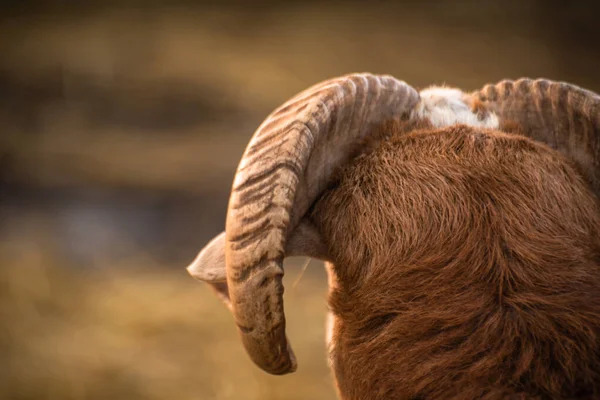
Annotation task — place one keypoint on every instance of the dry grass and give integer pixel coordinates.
(140, 331)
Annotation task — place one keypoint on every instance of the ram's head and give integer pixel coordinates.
(296, 151)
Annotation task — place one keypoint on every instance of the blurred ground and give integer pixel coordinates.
(121, 124)
(138, 331)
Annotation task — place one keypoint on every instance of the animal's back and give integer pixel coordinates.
(468, 266)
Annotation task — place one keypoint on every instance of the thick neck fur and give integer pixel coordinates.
(467, 264)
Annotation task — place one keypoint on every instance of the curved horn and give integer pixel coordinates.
(287, 164)
(561, 115)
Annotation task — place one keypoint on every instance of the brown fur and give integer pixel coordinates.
(468, 267)
(480, 108)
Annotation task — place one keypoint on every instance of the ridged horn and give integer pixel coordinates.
(561, 115)
(287, 164)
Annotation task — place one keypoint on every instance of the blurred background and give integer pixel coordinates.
(121, 124)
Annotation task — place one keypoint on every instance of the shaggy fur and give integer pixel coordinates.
(467, 266)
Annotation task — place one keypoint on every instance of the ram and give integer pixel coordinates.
(461, 234)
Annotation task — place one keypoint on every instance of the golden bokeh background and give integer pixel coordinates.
(121, 124)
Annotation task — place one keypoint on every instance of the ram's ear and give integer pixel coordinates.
(209, 267)
(209, 264)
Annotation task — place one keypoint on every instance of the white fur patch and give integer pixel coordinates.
(331, 323)
(329, 327)
(445, 106)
